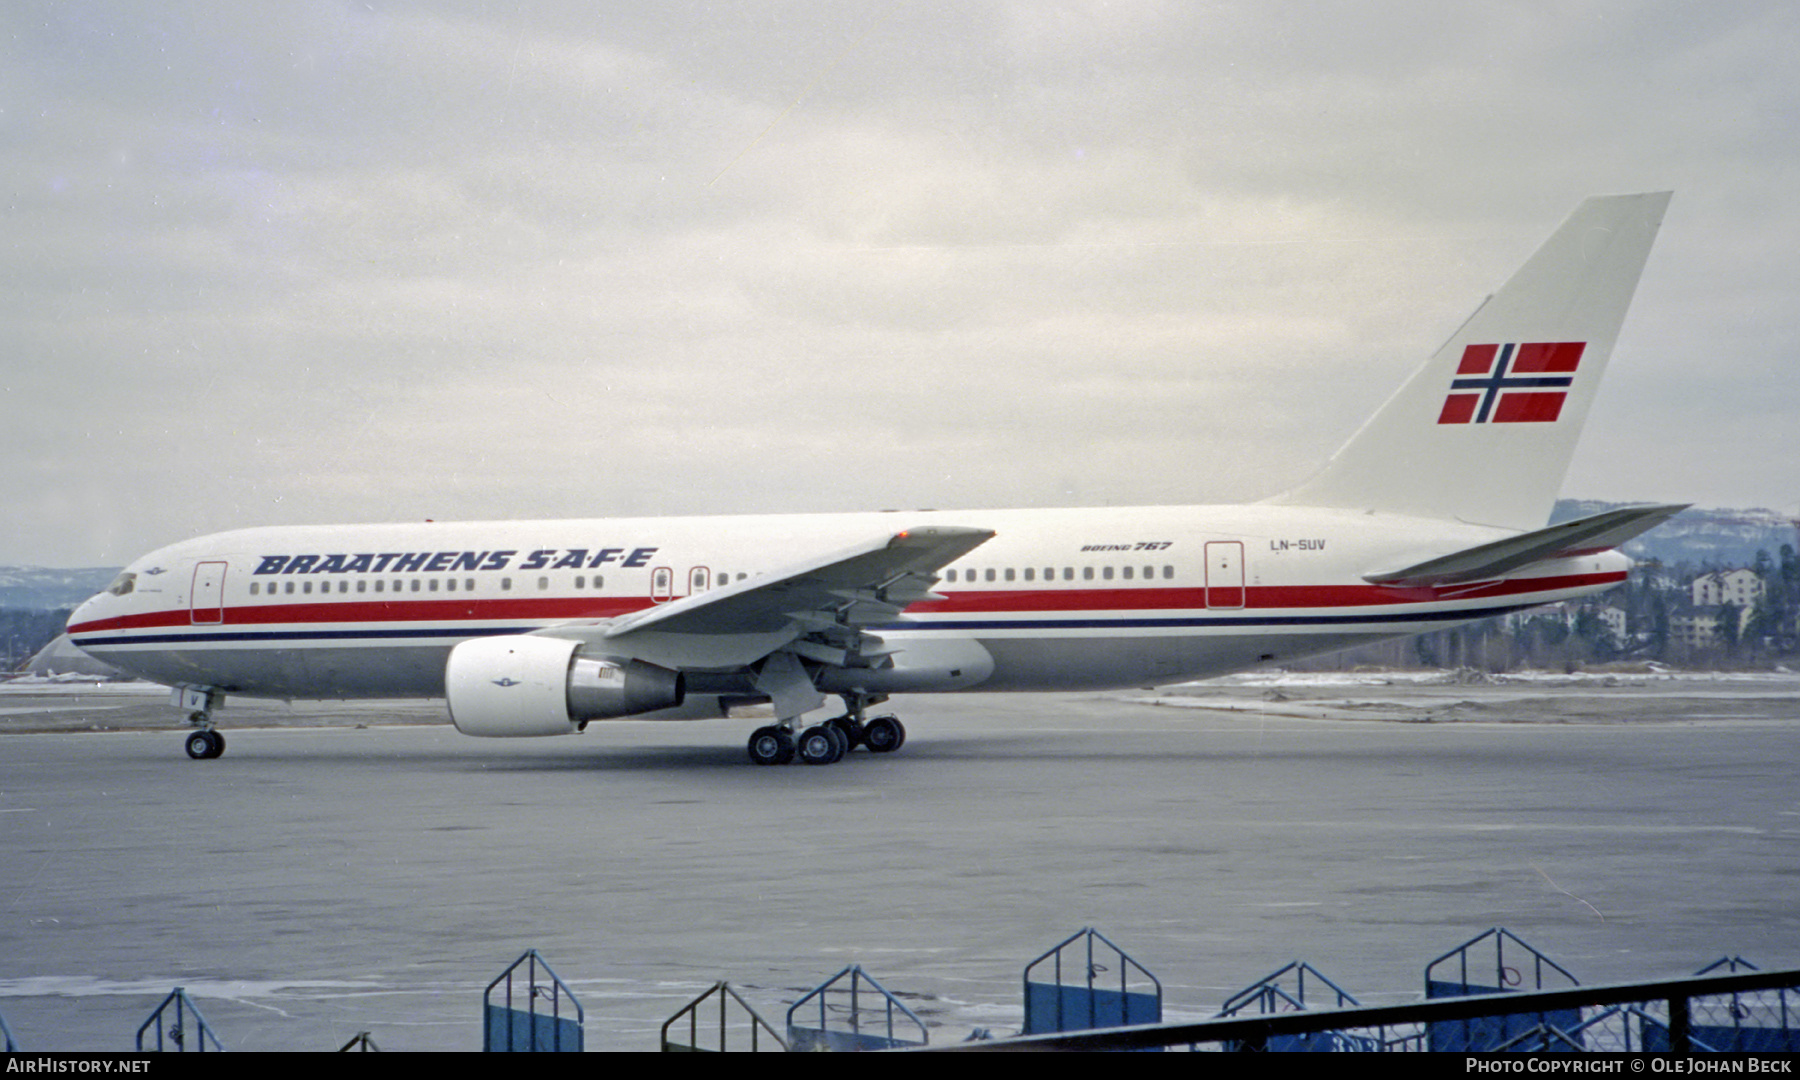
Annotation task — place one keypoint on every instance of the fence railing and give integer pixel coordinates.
(1751, 1012)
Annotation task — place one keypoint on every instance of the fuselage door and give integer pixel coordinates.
(699, 580)
(207, 601)
(662, 584)
(1225, 574)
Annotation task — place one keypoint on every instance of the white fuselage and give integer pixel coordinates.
(1060, 599)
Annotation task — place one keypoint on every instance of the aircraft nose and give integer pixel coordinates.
(98, 605)
(86, 611)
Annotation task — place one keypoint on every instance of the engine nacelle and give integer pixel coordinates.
(522, 684)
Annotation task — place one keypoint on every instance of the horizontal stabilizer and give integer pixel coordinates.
(1486, 561)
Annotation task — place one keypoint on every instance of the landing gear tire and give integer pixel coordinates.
(884, 735)
(771, 746)
(821, 745)
(845, 726)
(202, 745)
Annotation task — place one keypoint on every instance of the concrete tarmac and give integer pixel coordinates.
(334, 874)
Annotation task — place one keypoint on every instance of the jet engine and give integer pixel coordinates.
(522, 684)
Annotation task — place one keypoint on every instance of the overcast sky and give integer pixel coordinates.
(387, 261)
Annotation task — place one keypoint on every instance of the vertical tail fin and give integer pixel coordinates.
(1484, 432)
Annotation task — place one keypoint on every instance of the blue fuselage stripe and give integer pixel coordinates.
(211, 637)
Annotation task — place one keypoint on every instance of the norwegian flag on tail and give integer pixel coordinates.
(1512, 384)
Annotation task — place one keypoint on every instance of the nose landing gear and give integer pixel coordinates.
(204, 742)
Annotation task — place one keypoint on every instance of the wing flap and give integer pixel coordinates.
(825, 599)
(1597, 532)
(882, 572)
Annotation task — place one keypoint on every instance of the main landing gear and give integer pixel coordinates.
(827, 743)
(771, 746)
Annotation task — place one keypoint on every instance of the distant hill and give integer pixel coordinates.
(61, 657)
(1699, 535)
(34, 588)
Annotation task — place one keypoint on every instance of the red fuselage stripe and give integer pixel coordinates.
(963, 602)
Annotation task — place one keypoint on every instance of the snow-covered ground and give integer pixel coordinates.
(1468, 677)
(71, 683)
(1469, 696)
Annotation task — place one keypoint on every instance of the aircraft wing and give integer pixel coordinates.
(1597, 532)
(814, 608)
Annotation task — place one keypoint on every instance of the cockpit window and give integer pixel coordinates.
(122, 585)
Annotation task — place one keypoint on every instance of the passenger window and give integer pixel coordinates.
(1068, 573)
(543, 583)
(449, 584)
(1009, 573)
(362, 585)
(580, 581)
(506, 584)
(990, 574)
(1030, 574)
(1106, 572)
(253, 588)
(415, 584)
(469, 585)
(306, 587)
(1168, 572)
(1128, 573)
(1087, 573)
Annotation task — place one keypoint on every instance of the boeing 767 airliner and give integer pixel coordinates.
(1433, 514)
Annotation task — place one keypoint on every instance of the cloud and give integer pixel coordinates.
(373, 261)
